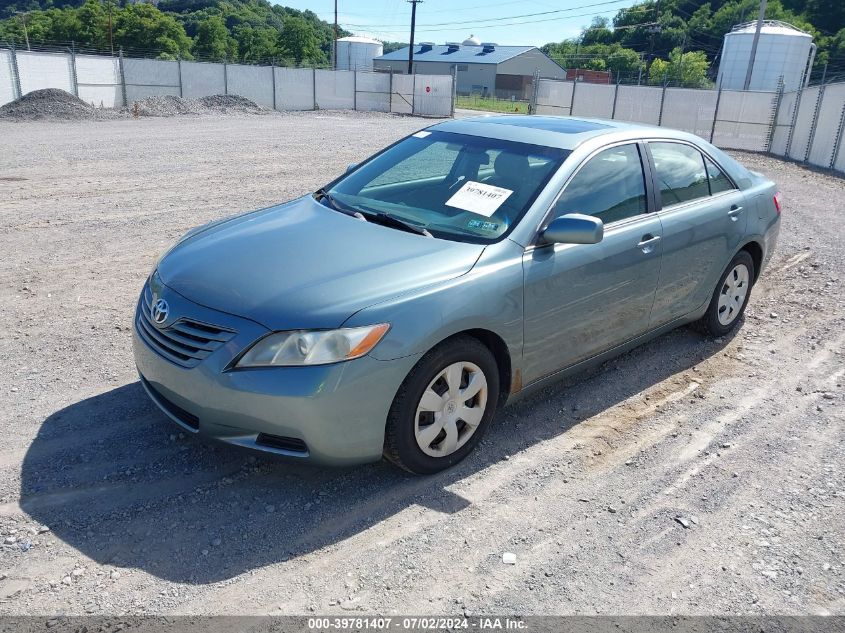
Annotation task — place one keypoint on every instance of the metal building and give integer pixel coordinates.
(782, 51)
(483, 68)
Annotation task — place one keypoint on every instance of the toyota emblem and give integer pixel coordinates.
(159, 311)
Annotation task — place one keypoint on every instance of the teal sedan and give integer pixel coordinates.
(392, 312)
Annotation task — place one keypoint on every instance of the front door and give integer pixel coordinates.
(582, 299)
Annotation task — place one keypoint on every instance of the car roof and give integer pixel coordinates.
(551, 131)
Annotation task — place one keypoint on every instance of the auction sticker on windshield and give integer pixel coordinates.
(479, 198)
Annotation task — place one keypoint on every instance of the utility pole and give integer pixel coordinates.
(334, 46)
(111, 34)
(25, 32)
(655, 28)
(414, 4)
(754, 44)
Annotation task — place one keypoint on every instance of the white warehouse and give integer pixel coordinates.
(783, 51)
(481, 68)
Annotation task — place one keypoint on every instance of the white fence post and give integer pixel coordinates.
(273, 79)
(414, 95)
(797, 106)
(355, 89)
(314, 87)
(74, 79)
(815, 123)
(837, 144)
(16, 73)
(122, 77)
(716, 113)
(775, 115)
(615, 97)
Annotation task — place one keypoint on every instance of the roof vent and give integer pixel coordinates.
(426, 46)
(453, 47)
(488, 47)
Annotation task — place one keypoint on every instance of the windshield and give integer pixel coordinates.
(459, 187)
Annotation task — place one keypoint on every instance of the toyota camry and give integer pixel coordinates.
(396, 309)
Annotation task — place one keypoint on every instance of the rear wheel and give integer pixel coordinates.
(443, 407)
(730, 296)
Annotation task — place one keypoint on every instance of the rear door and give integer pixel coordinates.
(704, 218)
(582, 299)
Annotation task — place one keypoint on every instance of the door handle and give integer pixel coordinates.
(648, 242)
(734, 212)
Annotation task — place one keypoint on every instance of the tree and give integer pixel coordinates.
(298, 42)
(142, 27)
(213, 41)
(688, 70)
(257, 44)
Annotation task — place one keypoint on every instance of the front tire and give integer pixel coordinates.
(443, 407)
(730, 296)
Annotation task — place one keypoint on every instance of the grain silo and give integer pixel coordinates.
(357, 53)
(782, 51)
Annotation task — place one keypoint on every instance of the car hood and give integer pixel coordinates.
(302, 265)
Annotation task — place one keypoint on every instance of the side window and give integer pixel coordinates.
(719, 182)
(609, 186)
(681, 175)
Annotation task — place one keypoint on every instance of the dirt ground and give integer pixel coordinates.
(106, 508)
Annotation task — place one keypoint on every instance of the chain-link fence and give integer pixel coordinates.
(806, 126)
(118, 81)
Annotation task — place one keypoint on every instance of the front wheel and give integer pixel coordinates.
(443, 407)
(730, 296)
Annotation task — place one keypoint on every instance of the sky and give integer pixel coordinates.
(515, 22)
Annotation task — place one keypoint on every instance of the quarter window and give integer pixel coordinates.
(681, 174)
(719, 182)
(609, 186)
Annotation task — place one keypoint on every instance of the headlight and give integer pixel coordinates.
(313, 347)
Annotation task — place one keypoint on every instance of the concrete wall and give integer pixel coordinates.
(103, 81)
(807, 126)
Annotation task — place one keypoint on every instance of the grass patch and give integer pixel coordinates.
(491, 104)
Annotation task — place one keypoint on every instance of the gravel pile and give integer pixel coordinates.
(232, 104)
(167, 105)
(56, 104)
(52, 103)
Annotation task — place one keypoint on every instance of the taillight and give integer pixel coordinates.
(777, 202)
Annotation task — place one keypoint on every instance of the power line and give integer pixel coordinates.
(505, 17)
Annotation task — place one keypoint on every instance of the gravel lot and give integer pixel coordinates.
(690, 476)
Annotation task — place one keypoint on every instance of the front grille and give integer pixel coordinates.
(291, 444)
(185, 342)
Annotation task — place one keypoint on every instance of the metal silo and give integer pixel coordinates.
(357, 53)
(782, 50)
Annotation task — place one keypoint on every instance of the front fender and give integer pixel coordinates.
(489, 297)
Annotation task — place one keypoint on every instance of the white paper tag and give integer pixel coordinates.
(422, 134)
(479, 198)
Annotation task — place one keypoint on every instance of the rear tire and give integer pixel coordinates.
(443, 407)
(730, 297)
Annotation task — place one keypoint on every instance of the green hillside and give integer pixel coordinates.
(233, 30)
(678, 41)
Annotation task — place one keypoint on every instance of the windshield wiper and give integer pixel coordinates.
(323, 194)
(385, 219)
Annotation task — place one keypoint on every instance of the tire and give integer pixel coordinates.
(730, 297)
(453, 426)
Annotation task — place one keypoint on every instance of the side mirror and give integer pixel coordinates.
(574, 228)
(351, 167)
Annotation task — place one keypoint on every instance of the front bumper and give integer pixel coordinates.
(330, 414)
